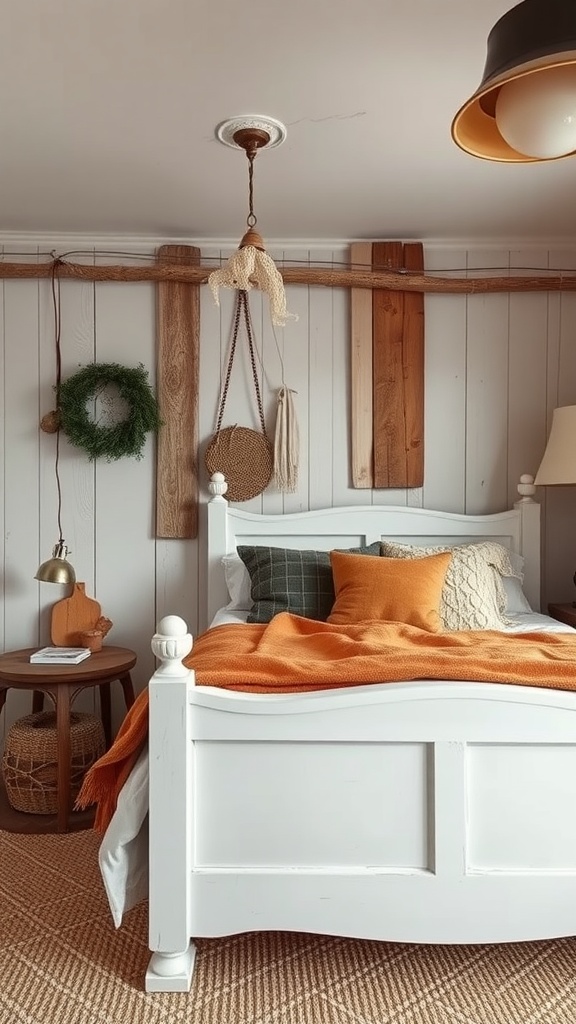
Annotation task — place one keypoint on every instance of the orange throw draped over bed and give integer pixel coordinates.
(292, 654)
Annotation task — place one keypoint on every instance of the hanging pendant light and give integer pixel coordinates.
(251, 266)
(56, 569)
(524, 109)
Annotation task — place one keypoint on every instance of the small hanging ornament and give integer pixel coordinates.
(251, 266)
(286, 443)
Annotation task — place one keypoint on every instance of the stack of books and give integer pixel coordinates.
(59, 655)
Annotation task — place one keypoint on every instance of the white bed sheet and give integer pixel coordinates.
(123, 855)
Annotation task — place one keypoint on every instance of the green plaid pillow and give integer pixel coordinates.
(290, 580)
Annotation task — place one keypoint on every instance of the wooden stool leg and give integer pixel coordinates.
(64, 754)
(106, 712)
(37, 701)
(127, 688)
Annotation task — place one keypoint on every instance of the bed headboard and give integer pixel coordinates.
(350, 526)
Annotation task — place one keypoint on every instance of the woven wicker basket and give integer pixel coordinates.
(30, 761)
(245, 457)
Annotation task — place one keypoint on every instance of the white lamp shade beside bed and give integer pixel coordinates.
(558, 464)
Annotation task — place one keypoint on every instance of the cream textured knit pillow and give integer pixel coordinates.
(473, 595)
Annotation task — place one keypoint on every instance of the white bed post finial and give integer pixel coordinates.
(170, 645)
(217, 487)
(526, 488)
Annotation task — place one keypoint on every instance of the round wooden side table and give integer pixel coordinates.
(63, 683)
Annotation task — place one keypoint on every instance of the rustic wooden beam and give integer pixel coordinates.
(398, 282)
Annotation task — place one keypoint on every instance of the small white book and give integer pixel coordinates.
(59, 655)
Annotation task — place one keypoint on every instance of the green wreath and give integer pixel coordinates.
(124, 438)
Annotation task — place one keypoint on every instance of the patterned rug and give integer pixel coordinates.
(62, 962)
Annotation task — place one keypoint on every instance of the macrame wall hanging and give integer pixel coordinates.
(286, 443)
(245, 456)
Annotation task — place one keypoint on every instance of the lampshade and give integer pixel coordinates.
(558, 465)
(57, 569)
(524, 109)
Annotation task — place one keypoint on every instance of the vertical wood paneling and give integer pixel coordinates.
(276, 354)
(495, 367)
(321, 393)
(3, 392)
(527, 370)
(21, 474)
(181, 565)
(445, 389)
(293, 341)
(487, 390)
(560, 502)
(343, 491)
(124, 505)
(76, 315)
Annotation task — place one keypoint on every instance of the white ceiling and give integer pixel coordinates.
(109, 109)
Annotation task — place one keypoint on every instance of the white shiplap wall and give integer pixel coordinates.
(496, 366)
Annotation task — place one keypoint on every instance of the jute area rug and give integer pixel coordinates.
(62, 962)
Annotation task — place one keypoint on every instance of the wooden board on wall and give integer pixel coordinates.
(361, 429)
(413, 371)
(178, 324)
(387, 373)
(387, 356)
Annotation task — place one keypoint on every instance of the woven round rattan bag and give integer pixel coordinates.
(245, 457)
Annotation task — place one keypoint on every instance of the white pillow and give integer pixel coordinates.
(516, 601)
(473, 595)
(238, 582)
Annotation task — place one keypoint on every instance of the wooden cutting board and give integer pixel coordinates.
(72, 616)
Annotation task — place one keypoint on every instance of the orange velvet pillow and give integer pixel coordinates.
(390, 589)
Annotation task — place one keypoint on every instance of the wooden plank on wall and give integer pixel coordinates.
(388, 412)
(361, 372)
(398, 386)
(178, 321)
(413, 365)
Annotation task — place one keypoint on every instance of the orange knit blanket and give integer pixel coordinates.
(293, 654)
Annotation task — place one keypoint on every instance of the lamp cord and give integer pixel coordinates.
(55, 281)
(251, 218)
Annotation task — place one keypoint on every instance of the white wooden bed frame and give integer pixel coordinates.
(426, 812)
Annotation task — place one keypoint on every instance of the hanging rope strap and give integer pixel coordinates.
(243, 455)
(242, 307)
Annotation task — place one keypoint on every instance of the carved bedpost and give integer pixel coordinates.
(216, 593)
(530, 517)
(171, 811)
(170, 645)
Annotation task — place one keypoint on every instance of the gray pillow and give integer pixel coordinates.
(292, 580)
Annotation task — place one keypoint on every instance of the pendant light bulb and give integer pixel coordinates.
(536, 113)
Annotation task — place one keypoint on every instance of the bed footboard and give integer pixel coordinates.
(426, 812)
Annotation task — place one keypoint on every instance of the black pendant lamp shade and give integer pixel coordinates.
(524, 109)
